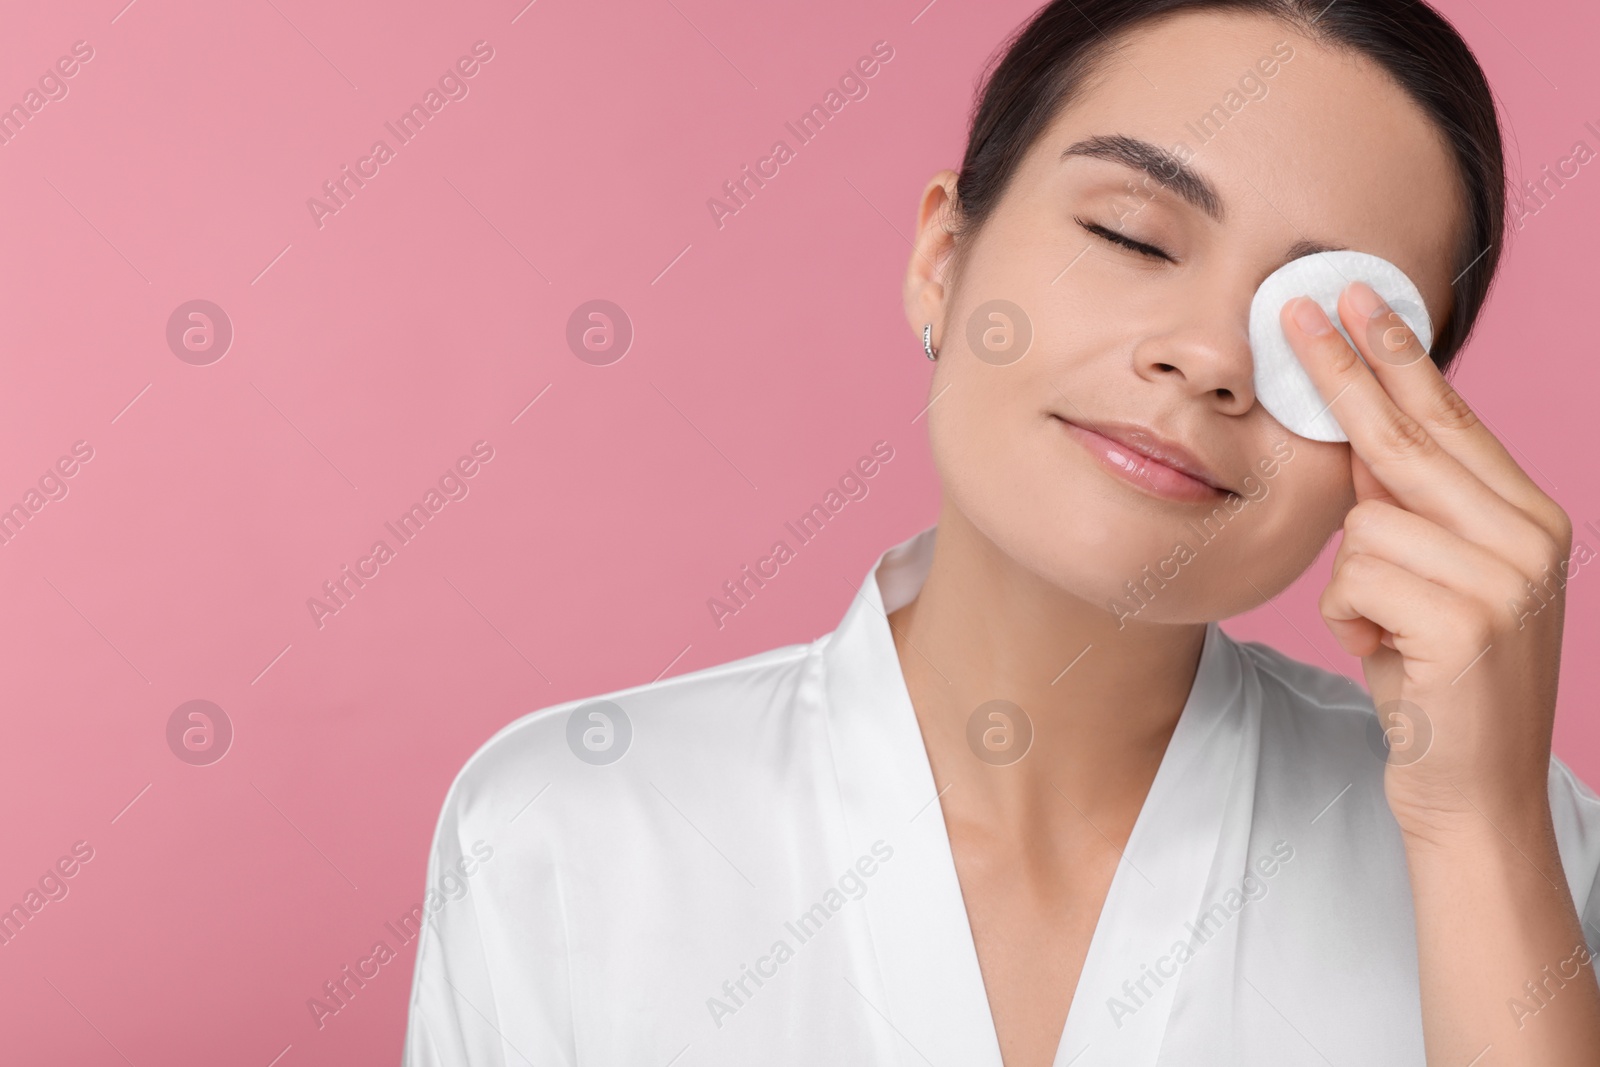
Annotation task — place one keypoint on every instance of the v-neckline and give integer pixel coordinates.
(929, 985)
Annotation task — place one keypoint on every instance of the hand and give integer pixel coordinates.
(1449, 583)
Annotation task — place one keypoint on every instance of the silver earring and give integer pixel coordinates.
(927, 341)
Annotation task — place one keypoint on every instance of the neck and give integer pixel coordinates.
(1102, 701)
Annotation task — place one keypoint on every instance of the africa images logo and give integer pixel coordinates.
(452, 85)
(452, 885)
(1206, 925)
(849, 886)
(737, 193)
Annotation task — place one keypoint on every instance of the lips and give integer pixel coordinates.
(1149, 460)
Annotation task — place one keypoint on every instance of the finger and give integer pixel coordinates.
(1525, 544)
(1429, 551)
(1396, 357)
(1366, 483)
(1396, 448)
(1394, 599)
(1358, 637)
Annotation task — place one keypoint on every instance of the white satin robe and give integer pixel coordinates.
(764, 878)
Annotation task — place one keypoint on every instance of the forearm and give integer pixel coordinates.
(1505, 975)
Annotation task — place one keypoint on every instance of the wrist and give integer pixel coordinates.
(1451, 816)
(1522, 834)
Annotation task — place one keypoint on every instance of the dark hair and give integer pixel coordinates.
(1050, 58)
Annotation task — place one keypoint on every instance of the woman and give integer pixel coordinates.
(1028, 804)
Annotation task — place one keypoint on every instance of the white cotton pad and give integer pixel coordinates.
(1282, 384)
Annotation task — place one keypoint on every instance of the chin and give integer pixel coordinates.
(1088, 548)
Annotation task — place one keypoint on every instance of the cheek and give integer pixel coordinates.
(1296, 512)
(1315, 485)
(976, 427)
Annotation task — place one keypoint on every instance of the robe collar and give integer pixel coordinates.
(923, 979)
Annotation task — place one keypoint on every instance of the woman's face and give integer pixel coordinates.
(1288, 148)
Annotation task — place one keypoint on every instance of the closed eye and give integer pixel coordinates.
(1126, 242)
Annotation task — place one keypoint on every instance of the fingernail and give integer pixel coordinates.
(1366, 301)
(1308, 315)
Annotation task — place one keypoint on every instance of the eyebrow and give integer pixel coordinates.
(1172, 173)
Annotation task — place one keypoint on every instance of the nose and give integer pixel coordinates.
(1204, 349)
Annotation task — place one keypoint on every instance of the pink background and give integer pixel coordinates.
(425, 316)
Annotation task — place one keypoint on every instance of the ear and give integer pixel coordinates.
(925, 285)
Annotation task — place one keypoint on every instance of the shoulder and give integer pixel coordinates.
(1320, 760)
(1312, 717)
(692, 716)
(1318, 724)
(1293, 685)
